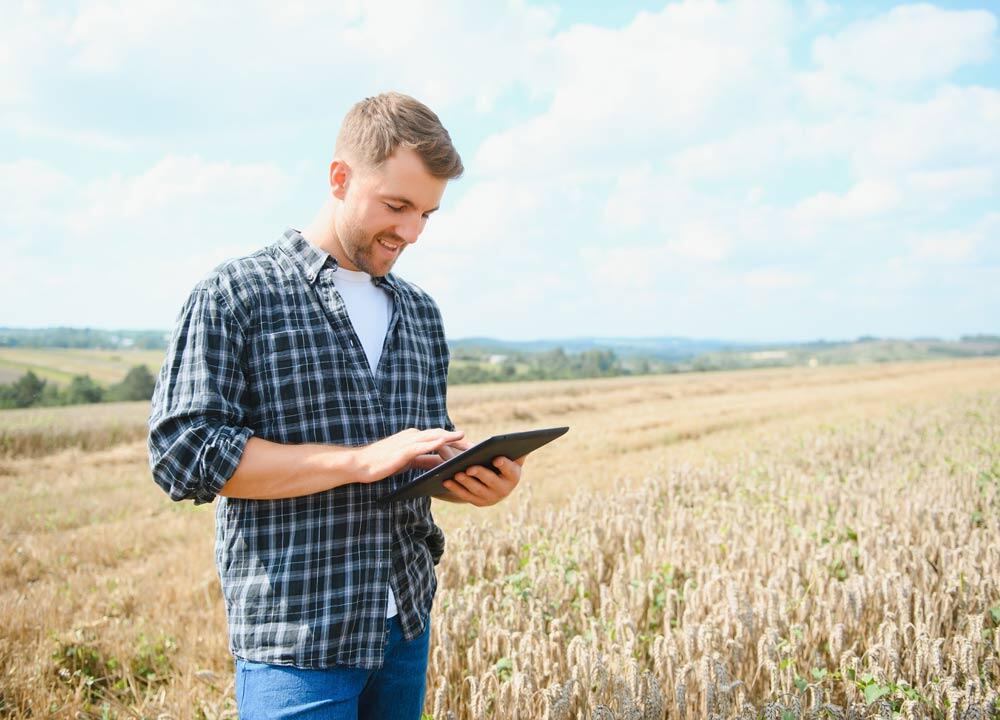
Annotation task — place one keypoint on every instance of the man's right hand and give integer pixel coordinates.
(397, 452)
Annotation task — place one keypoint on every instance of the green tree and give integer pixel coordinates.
(508, 368)
(136, 385)
(83, 390)
(27, 390)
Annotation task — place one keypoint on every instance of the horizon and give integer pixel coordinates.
(594, 338)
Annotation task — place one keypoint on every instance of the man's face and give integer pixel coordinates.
(384, 210)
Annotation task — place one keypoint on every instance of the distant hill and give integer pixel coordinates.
(660, 348)
(644, 354)
(83, 338)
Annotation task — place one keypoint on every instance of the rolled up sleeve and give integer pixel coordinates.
(196, 424)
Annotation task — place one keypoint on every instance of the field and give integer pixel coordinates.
(59, 365)
(781, 543)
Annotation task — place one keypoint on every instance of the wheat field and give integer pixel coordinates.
(779, 543)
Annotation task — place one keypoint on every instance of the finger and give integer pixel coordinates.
(426, 462)
(508, 469)
(447, 435)
(481, 483)
(460, 492)
(494, 487)
(431, 445)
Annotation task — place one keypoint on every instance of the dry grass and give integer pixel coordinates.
(759, 526)
(34, 432)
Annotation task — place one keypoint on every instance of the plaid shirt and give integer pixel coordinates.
(264, 346)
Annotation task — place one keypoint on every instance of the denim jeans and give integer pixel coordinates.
(396, 690)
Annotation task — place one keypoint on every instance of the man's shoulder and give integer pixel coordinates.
(242, 277)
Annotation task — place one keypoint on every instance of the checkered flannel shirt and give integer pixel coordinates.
(264, 346)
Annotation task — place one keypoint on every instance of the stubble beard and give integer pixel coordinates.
(359, 251)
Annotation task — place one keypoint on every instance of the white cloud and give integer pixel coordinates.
(908, 45)
(28, 39)
(147, 237)
(27, 127)
(666, 175)
(865, 199)
(179, 185)
(666, 77)
(700, 241)
(950, 246)
(776, 279)
(957, 126)
(31, 191)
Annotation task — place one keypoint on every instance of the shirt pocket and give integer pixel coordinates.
(300, 371)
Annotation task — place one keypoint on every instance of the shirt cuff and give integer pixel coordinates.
(219, 460)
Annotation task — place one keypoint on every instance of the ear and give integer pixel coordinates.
(340, 173)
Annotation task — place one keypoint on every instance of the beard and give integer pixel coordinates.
(361, 250)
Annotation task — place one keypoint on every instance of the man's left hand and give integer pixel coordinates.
(479, 485)
(482, 486)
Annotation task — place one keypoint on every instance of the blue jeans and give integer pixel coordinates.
(396, 690)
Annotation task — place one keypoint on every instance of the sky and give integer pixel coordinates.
(749, 170)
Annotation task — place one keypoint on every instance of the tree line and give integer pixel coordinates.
(32, 391)
(555, 364)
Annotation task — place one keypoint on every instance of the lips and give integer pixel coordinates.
(391, 247)
(391, 244)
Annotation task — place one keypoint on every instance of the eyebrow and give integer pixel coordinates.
(405, 201)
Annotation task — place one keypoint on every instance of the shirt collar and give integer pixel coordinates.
(311, 259)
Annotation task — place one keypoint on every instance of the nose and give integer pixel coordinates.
(409, 230)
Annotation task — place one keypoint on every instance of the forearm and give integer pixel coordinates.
(269, 470)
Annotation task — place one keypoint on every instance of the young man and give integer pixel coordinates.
(301, 384)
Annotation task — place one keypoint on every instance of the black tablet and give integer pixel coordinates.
(511, 445)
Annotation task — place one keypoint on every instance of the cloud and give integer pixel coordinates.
(776, 279)
(908, 45)
(865, 199)
(145, 237)
(706, 168)
(666, 77)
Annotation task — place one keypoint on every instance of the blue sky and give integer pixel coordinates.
(748, 170)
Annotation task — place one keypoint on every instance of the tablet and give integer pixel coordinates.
(511, 445)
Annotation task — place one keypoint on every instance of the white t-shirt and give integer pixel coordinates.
(370, 309)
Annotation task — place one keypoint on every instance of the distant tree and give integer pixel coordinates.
(467, 374)
(27, 390)
(597, 363)
(136, 385)
(83, 390)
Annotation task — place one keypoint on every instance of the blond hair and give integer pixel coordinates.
(376, 126)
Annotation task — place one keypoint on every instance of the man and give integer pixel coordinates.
(303, 383)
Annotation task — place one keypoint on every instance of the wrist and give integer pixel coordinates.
(343, 465)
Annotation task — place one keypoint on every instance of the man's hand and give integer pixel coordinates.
(482, 486)
(408, 448)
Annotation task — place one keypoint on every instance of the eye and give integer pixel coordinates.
(394, 208)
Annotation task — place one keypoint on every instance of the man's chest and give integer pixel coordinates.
(308, 373)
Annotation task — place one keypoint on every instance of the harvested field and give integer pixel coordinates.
(791, 541)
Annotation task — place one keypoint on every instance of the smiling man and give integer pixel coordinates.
(301, 384)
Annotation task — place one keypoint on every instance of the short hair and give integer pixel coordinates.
(376, 126)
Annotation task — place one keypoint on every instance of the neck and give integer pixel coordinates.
(322, 232)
